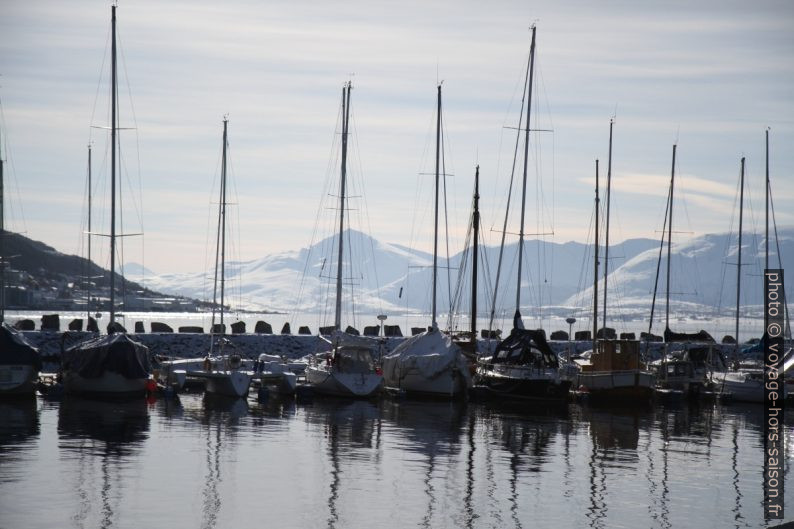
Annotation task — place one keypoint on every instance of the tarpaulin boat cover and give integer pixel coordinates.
(14, 349)
(114, 352)
(701, 336)
(431, 352)
(344, 339)
(525, 346)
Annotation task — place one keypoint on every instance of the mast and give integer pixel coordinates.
(88, 283)
(113, 169)
(669, 238)
(342, 183)
(766, 239)
(517, 317)
(606, 242)
(595, 273)
(435, 229)
(223, 221)
(475, 255)
(739, 258)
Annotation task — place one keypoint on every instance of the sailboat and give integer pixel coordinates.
(429, 363)
(744, 383)
(222, 371)
(614, 370)
(19, 361)
(467, 340)
(113, 364)
(684, 372)
(523, 365)
(349, 369)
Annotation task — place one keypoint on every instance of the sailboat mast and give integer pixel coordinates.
(88, 279)
(342, 183)
(606, 241)
(595, 264)
(435, 229)
(524, 182)
(669, 243)
(113, 169)
(475, 255)
(766, 239)
(223, 222)
(739, 256)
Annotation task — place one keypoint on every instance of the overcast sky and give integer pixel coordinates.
(711, 77)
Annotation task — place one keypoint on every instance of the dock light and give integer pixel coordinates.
(570, 321)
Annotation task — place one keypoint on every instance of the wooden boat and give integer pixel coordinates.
(615, 372)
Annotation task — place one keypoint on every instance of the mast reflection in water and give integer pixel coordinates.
(213, 463)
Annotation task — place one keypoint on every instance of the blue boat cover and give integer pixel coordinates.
(14, 349)
(115, 352)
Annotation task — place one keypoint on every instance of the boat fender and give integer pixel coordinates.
(151, 387)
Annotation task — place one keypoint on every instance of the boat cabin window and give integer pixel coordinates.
(679, 369)
(354, 359)
(520, 355)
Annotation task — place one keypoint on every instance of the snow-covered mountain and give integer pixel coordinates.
(393, 278)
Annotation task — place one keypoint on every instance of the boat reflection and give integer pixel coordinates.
(19, 421)
(230, 410)
(614, 437)
(120, 426)
(103, 434)
(220, 418)
(19, 428)
(348, 426)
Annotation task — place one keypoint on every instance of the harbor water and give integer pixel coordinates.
(209, 463)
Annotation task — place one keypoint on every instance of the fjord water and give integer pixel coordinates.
(209, 463)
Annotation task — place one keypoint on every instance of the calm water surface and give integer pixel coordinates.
(207, 463)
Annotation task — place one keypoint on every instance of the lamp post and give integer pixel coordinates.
(570, 321)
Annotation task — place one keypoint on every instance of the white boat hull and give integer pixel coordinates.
(109, 383)
(285, 382)
(448, 383)
(227, 383)
(168, 376)
(18, 379)
(742, 386)
(328, 381)
(618, 384)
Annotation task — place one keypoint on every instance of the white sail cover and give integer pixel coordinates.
(431, 353)
(342, 339)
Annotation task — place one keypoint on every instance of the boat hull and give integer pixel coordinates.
(449, 383)
(627, 387)
(285, 382)
(226, 383)
(514, 385)
(743, 387)
(328, 381)
(107, 384)
(18, 379)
